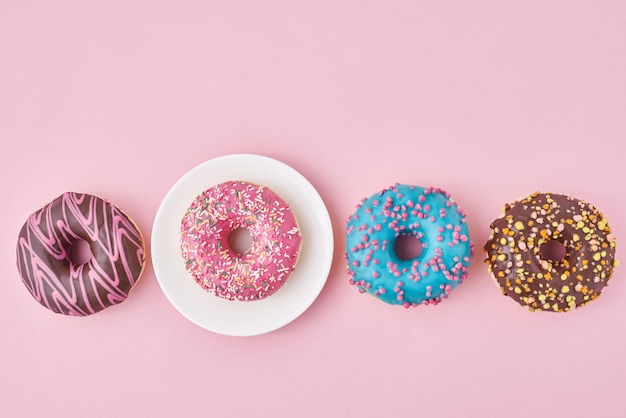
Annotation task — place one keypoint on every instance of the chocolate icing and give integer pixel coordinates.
(524, 274)
(67, 288)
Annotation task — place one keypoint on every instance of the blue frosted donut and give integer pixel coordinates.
(429, 215)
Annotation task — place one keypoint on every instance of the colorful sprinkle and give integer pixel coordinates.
(261, 270)
(548, 284)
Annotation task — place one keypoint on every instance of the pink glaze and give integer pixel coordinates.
(261, 270)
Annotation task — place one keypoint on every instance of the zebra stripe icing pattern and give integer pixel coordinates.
(43, 247)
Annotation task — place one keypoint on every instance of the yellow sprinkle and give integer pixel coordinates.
(597, 256)
(602, 224)
(502, 257)
(565, 289)
(580, 224)
(517, 290)
(503, 241)
(542, 297)
(519, 225)
(563, 276)
(575, 238)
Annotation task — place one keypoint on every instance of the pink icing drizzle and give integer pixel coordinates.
(79, 290)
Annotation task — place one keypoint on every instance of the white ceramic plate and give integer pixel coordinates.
(234, 317)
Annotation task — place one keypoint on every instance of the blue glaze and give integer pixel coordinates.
(429, 215)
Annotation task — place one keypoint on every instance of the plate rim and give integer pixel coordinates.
(320, 214)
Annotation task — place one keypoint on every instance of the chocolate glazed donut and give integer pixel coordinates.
(524, 273)
(66, 287)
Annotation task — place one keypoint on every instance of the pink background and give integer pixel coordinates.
(490, 100)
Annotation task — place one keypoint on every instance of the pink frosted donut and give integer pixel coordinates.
(57, 281)
(256, 273)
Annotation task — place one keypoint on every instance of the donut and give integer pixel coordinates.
(518, 265)
(261, 270)
(427, 214)
(66, 286)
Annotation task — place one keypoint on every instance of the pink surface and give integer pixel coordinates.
(489, 101)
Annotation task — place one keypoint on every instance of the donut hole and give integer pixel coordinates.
(240, 240)
(408, 247)
(553, 251)
(79, 252)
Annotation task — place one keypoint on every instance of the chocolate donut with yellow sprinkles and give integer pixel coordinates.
(524, 273)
